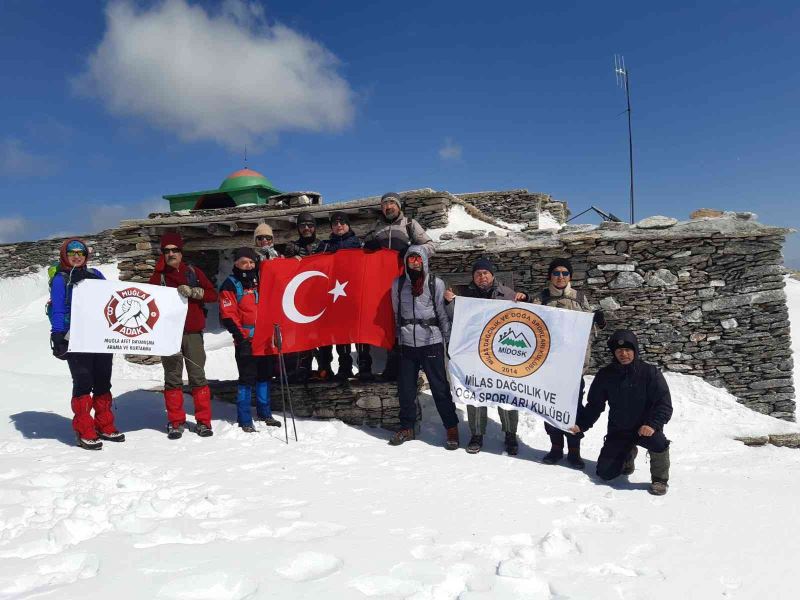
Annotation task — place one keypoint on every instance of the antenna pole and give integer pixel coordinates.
(623, 76)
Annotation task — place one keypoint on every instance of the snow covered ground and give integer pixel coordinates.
(343, 515)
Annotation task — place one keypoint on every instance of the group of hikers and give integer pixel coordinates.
(636, 392)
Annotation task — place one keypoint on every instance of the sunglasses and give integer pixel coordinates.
(306, 226)
(171, 251)
(261, 238)
(338, 222)
(560, 274)
(76, 253)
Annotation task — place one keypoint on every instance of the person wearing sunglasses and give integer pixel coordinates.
(341, 238)
(484, 285)
(172, 271)
(91, 372)
(306, 243)
(264, 242)
(559, 293)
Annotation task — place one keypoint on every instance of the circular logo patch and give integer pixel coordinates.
(515, 343)
(131, 312)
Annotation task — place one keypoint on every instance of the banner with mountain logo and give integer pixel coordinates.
(518, 356)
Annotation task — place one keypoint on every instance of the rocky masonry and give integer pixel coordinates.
(28, 257)
(517, 206)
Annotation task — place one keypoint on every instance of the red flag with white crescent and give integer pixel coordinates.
(327, 299)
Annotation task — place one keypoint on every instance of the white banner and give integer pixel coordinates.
(127, 318)
(519, 356)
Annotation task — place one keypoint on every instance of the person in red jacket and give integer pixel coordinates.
(238, 309)
(193, 285)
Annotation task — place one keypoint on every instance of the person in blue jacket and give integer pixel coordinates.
(91, 372)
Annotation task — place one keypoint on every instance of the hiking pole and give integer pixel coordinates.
(284, 381)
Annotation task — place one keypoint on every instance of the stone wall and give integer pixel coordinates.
(517, 206)
(705, 297)
(20, 258)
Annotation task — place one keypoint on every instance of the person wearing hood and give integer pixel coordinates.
(341, 238)
(91, 372)
(484, 285)
(559, 293)
(423, 330)
(639, 407)
(396, 231)
(238, 310)
(264, 243)
(172, 271)
(306, 243)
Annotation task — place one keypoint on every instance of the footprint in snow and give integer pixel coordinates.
(596, 513)
(307, 566)
(215, 585)
(557, 543)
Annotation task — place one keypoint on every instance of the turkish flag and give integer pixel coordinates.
(327, 299)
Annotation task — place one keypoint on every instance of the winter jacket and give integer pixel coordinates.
(338, 242)
(497, 291)
(421, 320)
(300, 247)
(195, 315)
(395, 235)
(637, 394)
(61, 294)
(238, 315)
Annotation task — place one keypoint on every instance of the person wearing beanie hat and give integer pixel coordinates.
(342, 238)
(191, 283)
(639, 405)
(238, 312)
(264, 242)
(91, 372)
(559, 293)
(306, 243)
(484, 285)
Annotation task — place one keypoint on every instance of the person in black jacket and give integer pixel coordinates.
(342, 237)
(639, 406)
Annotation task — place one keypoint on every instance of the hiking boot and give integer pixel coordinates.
(174, 432)
(366, 375)
(203, 430)
(475, 444)
(247, 429)
(658, 488)
(343, 375)
(401, 436)
(574, 460)
(555, 455)
(270, 421)
(114, 436)
(630, 466)
(88, 444)
(512, 446)
(452, 438)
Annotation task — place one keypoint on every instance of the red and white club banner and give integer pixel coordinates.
(126, 318)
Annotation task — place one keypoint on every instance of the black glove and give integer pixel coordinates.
(245, 349)
(78, 275)
(599, 319)
(59, 345)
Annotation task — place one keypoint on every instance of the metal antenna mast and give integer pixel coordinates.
(623, 80)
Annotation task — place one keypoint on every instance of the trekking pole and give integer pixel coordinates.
(286, 379)
(284, 382)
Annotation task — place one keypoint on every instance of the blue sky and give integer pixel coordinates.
(111, 105)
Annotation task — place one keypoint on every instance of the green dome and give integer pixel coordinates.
(243, 178)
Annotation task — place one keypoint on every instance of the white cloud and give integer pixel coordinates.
(11, 228)
(15, 161)
(450, 150)
(106, 216)
(228, 76)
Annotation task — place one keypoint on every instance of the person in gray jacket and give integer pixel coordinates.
(484, 285)
(395, 231)
(423, 330)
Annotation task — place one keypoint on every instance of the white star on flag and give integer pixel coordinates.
(338, 290)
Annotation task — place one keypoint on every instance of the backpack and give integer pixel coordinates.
(52, 271)
(239, 288)
(431, 289)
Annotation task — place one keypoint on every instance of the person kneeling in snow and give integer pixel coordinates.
(91, 372)
(238, 308)
(639, 406)
(423, 329)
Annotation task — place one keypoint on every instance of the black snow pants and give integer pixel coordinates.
(618, 445)
(431, 360)
(91, 373)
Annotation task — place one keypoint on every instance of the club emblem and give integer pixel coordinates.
(131, 312)
(515, 343)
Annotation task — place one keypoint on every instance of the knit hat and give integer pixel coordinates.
(483, 264)
(245, 253)
(623, 338)
(559, 262)
(306, 217)
(172, 238)
(392, 197)
(341, 216)
(77, 245)
(262, 229)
